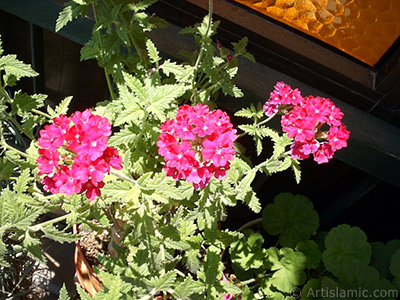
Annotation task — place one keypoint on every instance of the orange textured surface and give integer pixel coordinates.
(365, 29)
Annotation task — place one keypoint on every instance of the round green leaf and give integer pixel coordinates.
(345, 246)
(288, 266)
(382, 254)
(311, 251)
(292, 217)
(247, 252)
(395, 268)
(366, 282)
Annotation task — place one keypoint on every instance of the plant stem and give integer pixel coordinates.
(43, 114)
(200, 56)
(249, 224)
(20, 128)
(101, 54)
(267, 120)
(122, 176)
(23, 154)
(38, 227)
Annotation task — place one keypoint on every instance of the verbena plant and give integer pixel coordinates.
(160, 164)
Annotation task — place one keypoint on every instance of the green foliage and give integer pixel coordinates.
(293, 218)
(288, 266)
(345, 246)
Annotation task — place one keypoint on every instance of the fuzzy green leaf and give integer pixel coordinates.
(11, 65)
(60, 236)
(32, 244)
(64, 17)
(188, 287)
(292, 217)
(63, 293)
(62, 108)
(124, 137)
(345, 246)
(153, 52)
(288, 266)
(245, 184)
(22, 182)
(164, 282)
(296, 169)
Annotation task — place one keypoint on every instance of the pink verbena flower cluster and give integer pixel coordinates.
(313, 122)
(74, 154)
(197, 145)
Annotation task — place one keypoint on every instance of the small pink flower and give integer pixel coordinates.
(313, 122)
(74, 154)
(197, 144)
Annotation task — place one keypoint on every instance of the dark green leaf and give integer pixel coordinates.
(292, 217)
(345, 246)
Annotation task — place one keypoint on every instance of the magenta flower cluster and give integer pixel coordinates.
(197, 144)
(313, 122)
(74, 154)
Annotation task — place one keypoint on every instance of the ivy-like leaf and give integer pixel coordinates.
(395, 268)
(345, 246)
(288, 266)
(292, 217)
(311, 251)
(382, 254)
(247, 252)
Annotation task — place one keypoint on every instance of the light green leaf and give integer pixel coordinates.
(22, 182)
(32, 244)
(345, 246)
(188, 287)
(153, 52)
(63, 293)
(60, 236)
(164, 282)
(252, 201)
(288, 266)
(62, 108)
(124, 137)
(23, 103)
(296, 169)
(64, 17)
(11, 65)
(247, 252)
(245, 184)
(292, 217)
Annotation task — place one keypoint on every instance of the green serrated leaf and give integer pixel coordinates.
(6, 168)
(64, 17)
(63, 293)
(152, 51)
(292, 217)
(22, 182)
(32, 244)
(164, 282)
(245, 184)
(188, 287)
(60, 236)
(62, 108)
(345, 246)
(11, 65)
